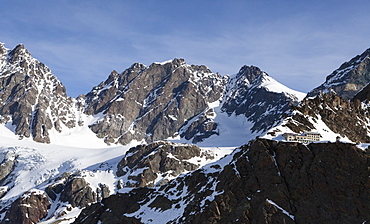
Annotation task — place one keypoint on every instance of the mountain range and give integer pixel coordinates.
(177, 143)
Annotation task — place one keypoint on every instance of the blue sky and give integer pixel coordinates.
(297, 42)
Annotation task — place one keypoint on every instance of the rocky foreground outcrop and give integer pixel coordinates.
(262, 182)
(75, 190)
(30, 208)
(158, 162)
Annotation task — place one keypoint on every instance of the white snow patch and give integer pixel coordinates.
(172, 117)
(274, 86)
(281, 209)
(164, 62)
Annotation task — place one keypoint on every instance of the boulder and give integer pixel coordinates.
(144, 164)
(30, 208)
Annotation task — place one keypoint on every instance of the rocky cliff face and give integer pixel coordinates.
(263, 182)
(348, 79)
(176, 99)
(151, 103)
(31, 97)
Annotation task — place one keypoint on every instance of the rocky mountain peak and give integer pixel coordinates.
(262, 100)
(173, 98)
(251, 73)
(170, 93)
(3, 55)
(20, 48)
(136, 67)
(19, 53)
(348, 79)
(353, 62)
(28, 91)
(178, 62)
(3, 50)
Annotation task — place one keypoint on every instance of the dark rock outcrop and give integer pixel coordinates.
(200, 127)
(348, 79)
(76, 191)
(144, 164)
(363, 94)
(30, 208)
(263, 182)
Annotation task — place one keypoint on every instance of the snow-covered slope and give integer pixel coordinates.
(38, 165)
(253, 102)
(28, 167)
(272, 85)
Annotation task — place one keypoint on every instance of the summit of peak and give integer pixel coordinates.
(20, 46)
(3, 49)
(20, 49)
(178, 61)
(137, 65)
(175, 61)
(250, 72)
